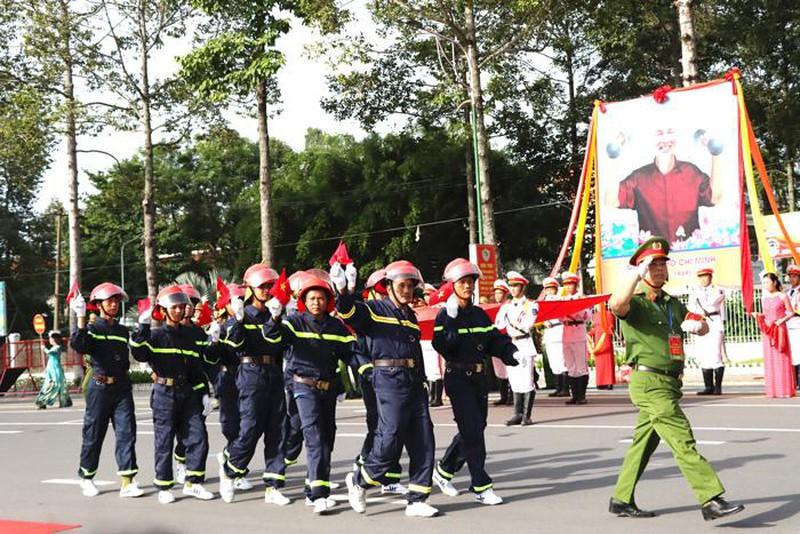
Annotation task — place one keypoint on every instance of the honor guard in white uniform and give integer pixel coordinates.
(553, 340)
(502, 294)
(793, 324)
(709, 301)
(575, 348)
(516, 317)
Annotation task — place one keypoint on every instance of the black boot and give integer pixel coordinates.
(529, 398)
(503, 393)
(519, 400)
(509, 394)
(719, 507)
(797, 377)
(559, 386)
(438, 389)
(708, 379)
(572, 386)
(565, 387)
(718, 373)
(583, 383)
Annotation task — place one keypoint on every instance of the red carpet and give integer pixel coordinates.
(27, 527)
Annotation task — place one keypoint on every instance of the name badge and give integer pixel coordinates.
(676, 347)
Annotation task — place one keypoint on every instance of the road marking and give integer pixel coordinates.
(75, 481)
(699, 442)
(10, 431)
(144, 433)
(346, 435)
(715, 405)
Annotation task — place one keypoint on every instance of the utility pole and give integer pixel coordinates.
(57, 284)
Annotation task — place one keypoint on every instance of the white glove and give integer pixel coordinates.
(237, 305)
(350, 274)
(146, 316)
(644, 267)
(275, 307)
(78, 305)
(691, 326)
(338, 277)
(451, 305)
(214, 330)
(206, 405)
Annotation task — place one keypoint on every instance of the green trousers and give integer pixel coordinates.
(661, 417)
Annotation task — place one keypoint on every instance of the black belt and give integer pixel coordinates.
(674, 374)
(553, 324)
(712, 314)
(322, 385)
(395, 362)
(103, 379)
(468, 367)
(517, 338)
(572, 323)
(170, 381)
(261, 360)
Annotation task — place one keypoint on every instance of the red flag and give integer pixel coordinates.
(442, 294)
(223, 295)
(205, 316)
(142, 305)
(340, 255)
(74, 291)
(281, 289)
(555, 309)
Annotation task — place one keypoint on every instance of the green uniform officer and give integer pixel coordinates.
(653, 323)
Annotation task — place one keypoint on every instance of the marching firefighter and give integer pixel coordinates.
(109, 395)
(259, 380)
(179, 398)
(709, 301)
(466, 337)
(374, 289)
(501, 295)
(315, 342)
(575, 343)
(517, 317)
(553, 340)
(392, 340)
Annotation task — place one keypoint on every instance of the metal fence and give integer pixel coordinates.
(29, 353)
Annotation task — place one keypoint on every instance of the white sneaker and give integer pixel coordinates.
(394, 489)
(197, 491)
(445, 485)
(180, 473)
(274, 496)
(356, 494)
(488, 497)
(335, 485)
(165, 497)
(88, 488)
(420, 509)
(131, 490)
(242, 483)
(331, 502)
(226, 489)
(321, 506)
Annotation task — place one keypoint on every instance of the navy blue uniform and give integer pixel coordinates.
(106, 345)
(392, 333)
(466, 343)
(314, 349)
(172, 354)
(262, 402)
(225, 385)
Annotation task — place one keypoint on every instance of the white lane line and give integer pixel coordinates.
(10, 431)
(699, 442)
(74, 481)
(51, 411)
(704, 405)
(144, 433)
(346, 435)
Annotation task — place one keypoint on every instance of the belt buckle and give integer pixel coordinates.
(411, 363)
(322, 385)
(169, 382)
(110, 380)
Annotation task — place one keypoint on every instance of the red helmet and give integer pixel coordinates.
(403, 270)
(313, 282)
(259, 274)
(236, 290)
(459, 268)
(172, 295)
(296, 279)
(191, 292)
(106, 290)
(375, 281)
(319, 273)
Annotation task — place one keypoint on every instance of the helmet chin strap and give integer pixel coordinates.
(168, 316)
(105, 312)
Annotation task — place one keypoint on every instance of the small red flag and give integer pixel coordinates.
(340, 255)
(281, 289)
(223, 295)
(205, 316)
(74, 291)
(142, 305)
(441, 294)
(555, 309)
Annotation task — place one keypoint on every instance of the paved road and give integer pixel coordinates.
(556, 476)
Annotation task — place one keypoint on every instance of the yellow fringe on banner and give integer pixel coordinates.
(587, 195)
(747, 162)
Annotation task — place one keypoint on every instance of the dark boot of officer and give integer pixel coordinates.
(708, 380)
(559, 386)
(529, 398)
(438, 390)
(509, 394)
(565, 385)
(718, 374)
(797, 377)
(519, 405)
(503, 393)
(582, 383)
(574, 387)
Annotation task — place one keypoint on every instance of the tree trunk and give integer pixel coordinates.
(73, 212)
(688, 43)
(148, 202)
(57, 282)
(476, 97)
(264, 178)
(469, 164)
(790, 186)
